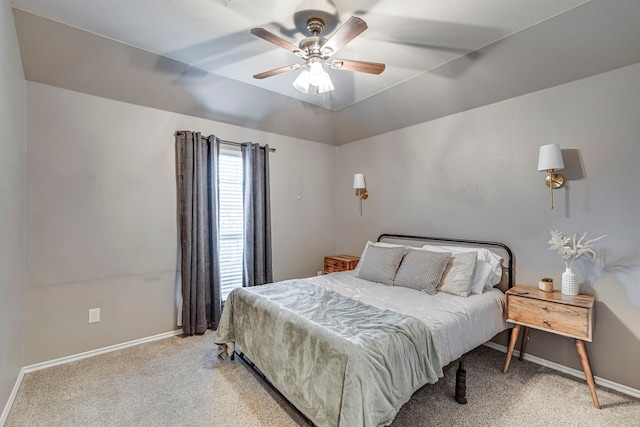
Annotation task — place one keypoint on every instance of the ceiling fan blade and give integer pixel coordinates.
(277, 71)
(350, 30)
(272, 38)
(360, 66)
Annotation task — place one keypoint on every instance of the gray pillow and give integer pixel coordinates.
(421, 270)
(380, 264)
(458, 274)
(380, 244)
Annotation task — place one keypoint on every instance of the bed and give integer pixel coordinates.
(350, 348)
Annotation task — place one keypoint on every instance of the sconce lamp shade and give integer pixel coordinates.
(361, 188)
(550, 158)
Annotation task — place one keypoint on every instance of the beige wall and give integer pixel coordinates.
(101, 217)
(474, 175)
(12, 205)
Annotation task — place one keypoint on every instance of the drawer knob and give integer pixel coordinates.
(546, 322)
(545, 308)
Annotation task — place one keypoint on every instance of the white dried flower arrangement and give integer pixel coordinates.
(570, 248)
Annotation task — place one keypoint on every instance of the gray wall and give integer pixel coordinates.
(12, 204)
(474, 175)
(100, 207)
(101, 217)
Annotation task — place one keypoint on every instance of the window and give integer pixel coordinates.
(231, 220)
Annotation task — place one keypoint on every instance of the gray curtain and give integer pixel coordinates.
(197, 176)
(257, 216)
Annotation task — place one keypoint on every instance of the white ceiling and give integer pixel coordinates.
(204, 48)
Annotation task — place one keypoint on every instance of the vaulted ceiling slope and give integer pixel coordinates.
(198, 57)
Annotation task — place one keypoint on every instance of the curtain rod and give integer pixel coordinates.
(237, 144)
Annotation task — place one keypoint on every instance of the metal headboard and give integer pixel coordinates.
(510, 258)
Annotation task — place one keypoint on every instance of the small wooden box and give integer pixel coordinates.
(335, 263)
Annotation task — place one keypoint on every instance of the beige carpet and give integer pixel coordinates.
(177, 382)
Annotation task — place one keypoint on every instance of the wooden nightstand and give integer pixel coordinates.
(567, 315)
(335, 263)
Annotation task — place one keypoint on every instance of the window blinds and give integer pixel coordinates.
(231, 220)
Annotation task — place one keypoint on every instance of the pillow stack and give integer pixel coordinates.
(487, 268)
(451, 269)
(398, 265)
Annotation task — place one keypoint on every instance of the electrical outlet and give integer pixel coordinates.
(94, 315)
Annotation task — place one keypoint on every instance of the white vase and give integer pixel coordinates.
(569, 282)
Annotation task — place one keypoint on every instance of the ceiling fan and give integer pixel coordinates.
(316, 51)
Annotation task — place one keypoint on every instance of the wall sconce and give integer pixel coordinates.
(360, 187)
(550, 160)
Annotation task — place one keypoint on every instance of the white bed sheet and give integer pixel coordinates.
(458, 324)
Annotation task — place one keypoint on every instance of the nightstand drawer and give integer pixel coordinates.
(551, 316)
(335, 263)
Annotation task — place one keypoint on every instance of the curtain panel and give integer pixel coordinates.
(258, 268)
(197, 176)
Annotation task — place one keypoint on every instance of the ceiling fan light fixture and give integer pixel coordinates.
(326, 85)
(302, 81)
(315, 50)
(318, 77)
(317, 73)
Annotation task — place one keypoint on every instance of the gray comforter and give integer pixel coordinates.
(339, 361)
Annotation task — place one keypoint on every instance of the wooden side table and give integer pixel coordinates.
(567, 315)
(335, 263)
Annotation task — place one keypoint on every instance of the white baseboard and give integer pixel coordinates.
(569, 371)
(73, 358)
(12, 397)
(91, 353)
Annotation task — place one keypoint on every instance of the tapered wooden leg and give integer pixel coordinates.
(523, 343)
(512, 344)
(586, 367)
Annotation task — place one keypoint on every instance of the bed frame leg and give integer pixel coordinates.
(461, 384)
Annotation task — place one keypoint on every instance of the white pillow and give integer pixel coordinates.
(458, 274)
(380, 264)
(379, 244)
(421, 270)
(488, 270)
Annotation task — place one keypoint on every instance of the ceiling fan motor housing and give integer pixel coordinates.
(316, 50)
(312, 46)
(315, 26)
